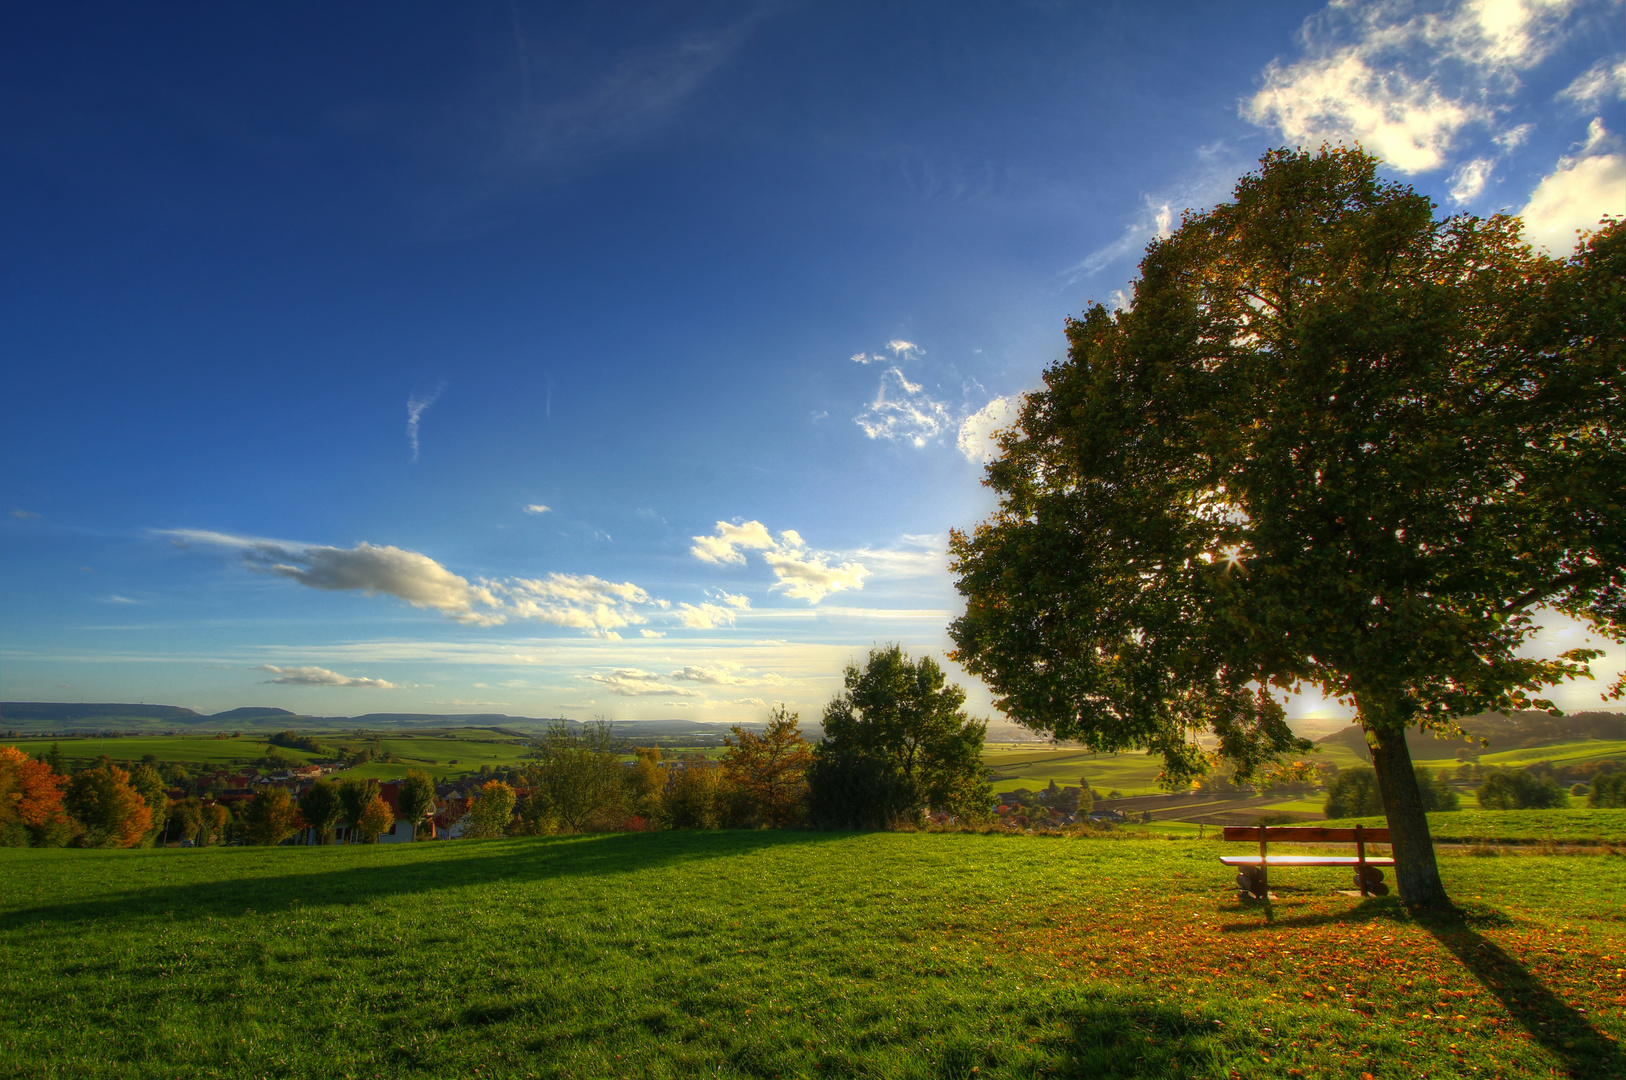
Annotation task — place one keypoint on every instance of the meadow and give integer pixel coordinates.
(795, 954)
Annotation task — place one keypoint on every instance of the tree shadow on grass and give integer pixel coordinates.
(1566, 1033)
(218, 891)
(1107, 1034)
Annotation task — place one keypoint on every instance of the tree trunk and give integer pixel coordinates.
(1416, 874)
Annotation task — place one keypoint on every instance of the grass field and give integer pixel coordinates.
(793, 955)
(1577, 825)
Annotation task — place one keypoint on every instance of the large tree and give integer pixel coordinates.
(1332, 441)
(896, 745)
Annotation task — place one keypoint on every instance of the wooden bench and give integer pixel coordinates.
(1252, 879)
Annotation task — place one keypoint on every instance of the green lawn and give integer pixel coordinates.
(793, 955)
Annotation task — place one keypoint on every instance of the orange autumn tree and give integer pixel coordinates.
(30, 799)
(112, 812)
(771, 768)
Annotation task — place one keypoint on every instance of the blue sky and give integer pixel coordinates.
(626, 360)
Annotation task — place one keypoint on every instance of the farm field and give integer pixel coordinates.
(789, 954)
(434, 753)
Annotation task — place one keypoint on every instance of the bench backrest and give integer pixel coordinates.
(1305, 834)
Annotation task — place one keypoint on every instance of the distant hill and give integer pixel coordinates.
(56, 710)
(250, 712)
(1512, 731)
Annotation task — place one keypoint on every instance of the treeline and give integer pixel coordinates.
(1354, 792)
(898, 748)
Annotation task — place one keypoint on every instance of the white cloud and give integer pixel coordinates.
(1403, 84)
(807, 575)
(905, 350)
(580, 601)
(20, 513)
(976, 432)
(415, 407)
(1577, 194)
(802, 573)
(1469, 179)
(725, 546)
(635, 682)
(536, 508)
(909, 414)
(735, 600)
(705, 616)
(315, 676)
(652, 633)
(371, 569)
(724, 674)
(1603, 81)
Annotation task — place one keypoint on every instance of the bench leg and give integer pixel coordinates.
(1369, 879)
(1250, 883)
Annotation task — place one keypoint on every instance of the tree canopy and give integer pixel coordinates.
(1332, 441)
(896, 744)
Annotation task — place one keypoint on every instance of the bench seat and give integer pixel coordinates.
(1306, 860)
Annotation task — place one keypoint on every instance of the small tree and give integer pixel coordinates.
(692, 796)
(30, 801)
(215, 818)
(770, 770)
(111, 812)
(417, 798)
(355, 794)
(579, 774)
(375, 818)
(896, 743)
(269, 818)
(185, 820)
(490, 812)
(646, 783)
(321, 808)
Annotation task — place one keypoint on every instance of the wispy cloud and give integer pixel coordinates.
(316, 676)
(415, 408)
(19, 513)
(536, 508)
(901, 351)
(639, 94)
(1603, 81)
(635, 682)
(902, 411)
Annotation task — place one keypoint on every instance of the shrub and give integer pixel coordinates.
(1608, 790)
(1354, 793)
(1506, 789)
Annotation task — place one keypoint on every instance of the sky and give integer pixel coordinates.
(629, 360)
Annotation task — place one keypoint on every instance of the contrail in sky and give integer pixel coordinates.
(415, 407)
